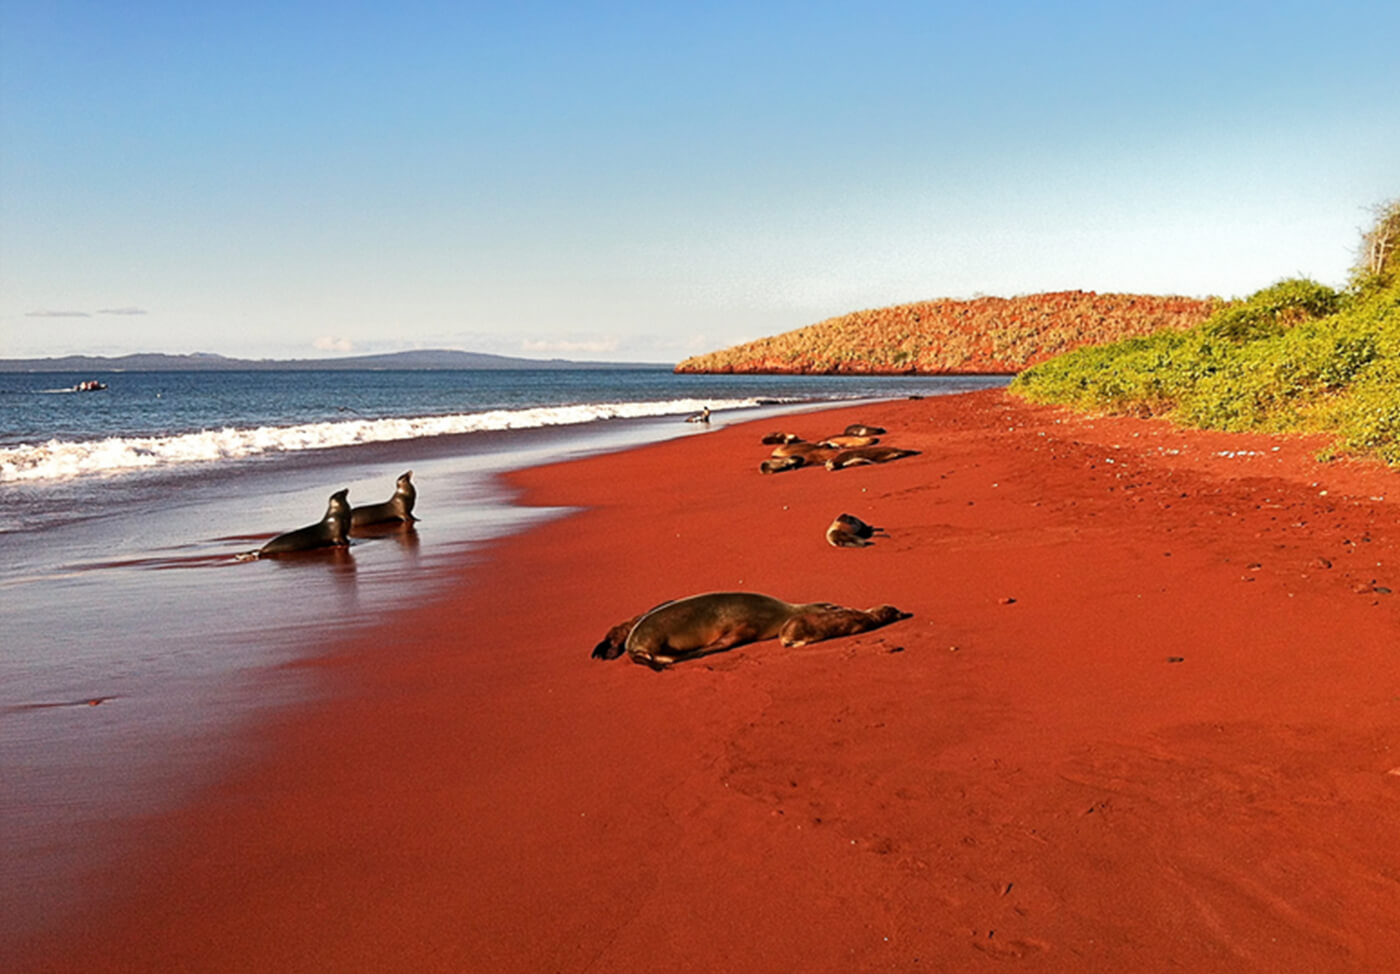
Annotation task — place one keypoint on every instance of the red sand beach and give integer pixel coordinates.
(1145, 716)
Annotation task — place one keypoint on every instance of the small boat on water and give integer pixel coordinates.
(90, 385)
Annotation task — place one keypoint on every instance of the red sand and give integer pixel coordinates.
(1146, 716)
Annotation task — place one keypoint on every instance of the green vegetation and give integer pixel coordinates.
(1296, 356)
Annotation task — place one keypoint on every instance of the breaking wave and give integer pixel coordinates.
(61, 459)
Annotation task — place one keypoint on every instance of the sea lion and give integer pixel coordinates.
(333, 530)
(396, 508)
(793, 448)
(867, 454)
(772, 438)
(811, 452)
(860, 429)
(849, 531)
(779, 464)
(710, 623)
(703, 416)
(813, 627)
(846, 441)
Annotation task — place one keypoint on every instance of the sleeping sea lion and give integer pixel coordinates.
(793, 448)
(333, 530)
(716, 621)
(772, 438)
(849, 531)
(812, 453)
(860, 429)
(867, 454)
(813, 627)
(779, 464)
(396, 508)
(847, 441)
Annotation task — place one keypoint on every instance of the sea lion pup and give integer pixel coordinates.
(396, 508)
(779, 464)
(333, 530)
(867, 454)
(849, 531)
(846, 441)
(860, 429)
(772, 438)
(813, 627)
(716, 621)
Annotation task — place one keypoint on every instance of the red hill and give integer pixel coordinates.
(984, 335)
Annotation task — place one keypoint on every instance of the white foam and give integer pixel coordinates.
(63, 459)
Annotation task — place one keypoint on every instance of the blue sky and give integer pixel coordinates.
(643, 181)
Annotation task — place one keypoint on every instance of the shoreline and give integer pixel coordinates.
(1134, 722)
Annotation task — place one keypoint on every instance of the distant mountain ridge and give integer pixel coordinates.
(427, 359)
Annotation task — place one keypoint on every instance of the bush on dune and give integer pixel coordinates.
(1296, 356)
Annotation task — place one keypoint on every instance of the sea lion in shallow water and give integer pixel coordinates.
(849, 531)
(333, 530)
(867, 454)
(716, 621)
(396, 508)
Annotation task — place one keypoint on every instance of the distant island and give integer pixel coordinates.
(434, 359)
(982, 336)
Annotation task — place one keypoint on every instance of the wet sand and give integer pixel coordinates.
(1146, 716)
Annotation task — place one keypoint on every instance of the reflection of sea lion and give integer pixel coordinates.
(779, 464)
(396, 508)
(867, 454)
(847, 441)
(860, 429)
(716, 621)
(333, 530)
(849, 531)
(781, 438)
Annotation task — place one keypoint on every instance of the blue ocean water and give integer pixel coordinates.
(135, 644)
(333, 407)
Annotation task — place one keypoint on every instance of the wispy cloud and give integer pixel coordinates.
(122, 311)
(57, 314)
(328, 343)
(565, 347)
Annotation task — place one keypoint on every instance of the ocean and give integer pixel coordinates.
(135, 644)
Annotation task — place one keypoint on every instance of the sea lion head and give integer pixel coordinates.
(337, 519)
(885, 614)
(405, 493)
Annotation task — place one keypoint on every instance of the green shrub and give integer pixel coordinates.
(1294, 356)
